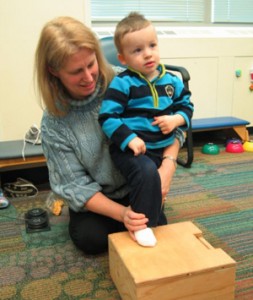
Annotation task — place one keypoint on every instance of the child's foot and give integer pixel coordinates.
(145, 237)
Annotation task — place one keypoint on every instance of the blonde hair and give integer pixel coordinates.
(60, 38)
(133, 22)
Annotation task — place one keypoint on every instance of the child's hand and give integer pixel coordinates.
(137, 145)
(166, 123)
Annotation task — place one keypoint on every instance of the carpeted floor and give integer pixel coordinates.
(216, 193)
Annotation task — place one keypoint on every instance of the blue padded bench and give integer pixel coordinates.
(11, 156)
(216, 123)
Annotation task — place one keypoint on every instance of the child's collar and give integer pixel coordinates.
(160, 68)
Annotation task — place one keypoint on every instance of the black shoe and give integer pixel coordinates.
(20, 188)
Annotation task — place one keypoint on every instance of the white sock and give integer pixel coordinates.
(145, 237)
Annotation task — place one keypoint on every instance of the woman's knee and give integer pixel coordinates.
(88, 241)
(89, 232)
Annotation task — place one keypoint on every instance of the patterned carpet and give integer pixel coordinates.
(216, 193)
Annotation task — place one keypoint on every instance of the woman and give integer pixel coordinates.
(72, 76)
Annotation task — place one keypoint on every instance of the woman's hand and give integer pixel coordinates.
(133, 221)
(102, 205)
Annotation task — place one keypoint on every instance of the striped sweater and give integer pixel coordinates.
(131, 103)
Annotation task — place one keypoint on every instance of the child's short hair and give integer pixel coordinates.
(133, 22)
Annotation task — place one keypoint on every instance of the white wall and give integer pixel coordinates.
(211, 61)
(20, 26)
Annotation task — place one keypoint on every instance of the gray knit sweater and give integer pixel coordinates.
(77, 155)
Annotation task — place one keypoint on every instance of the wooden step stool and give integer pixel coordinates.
(183, 265)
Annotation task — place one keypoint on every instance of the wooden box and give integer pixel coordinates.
(182, 266)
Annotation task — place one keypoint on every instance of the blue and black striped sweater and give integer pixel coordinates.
(131, 103)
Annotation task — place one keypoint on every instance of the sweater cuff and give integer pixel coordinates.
(179, 135)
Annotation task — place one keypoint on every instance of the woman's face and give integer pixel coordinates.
(79, 74)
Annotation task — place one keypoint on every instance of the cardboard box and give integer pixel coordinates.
(182, 266)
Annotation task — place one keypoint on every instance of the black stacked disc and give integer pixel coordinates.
(37, 220)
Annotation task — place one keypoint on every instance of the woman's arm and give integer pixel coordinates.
(168, 166)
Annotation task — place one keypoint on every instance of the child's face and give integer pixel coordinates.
(140, 51)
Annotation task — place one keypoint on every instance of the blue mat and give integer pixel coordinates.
(13, 149)
(217, 122)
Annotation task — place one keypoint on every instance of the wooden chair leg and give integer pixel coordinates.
(242, 132)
